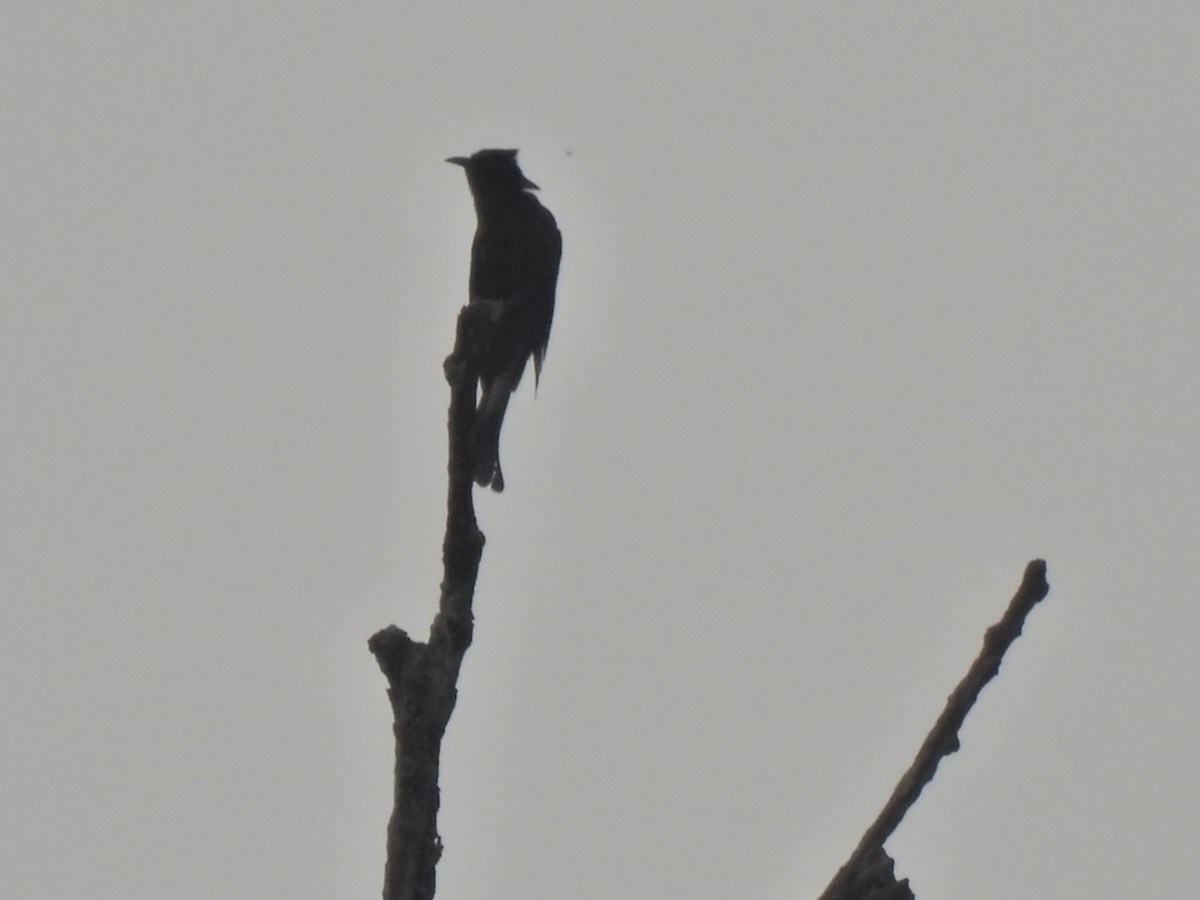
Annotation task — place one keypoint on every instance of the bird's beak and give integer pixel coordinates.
(529, 184)
(458, 161)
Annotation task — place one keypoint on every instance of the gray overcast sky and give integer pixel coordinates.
(863, 305)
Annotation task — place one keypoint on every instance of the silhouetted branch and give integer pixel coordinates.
(868, 874)
(422, 684)
(422, 677)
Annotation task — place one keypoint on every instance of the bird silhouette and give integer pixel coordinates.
(514, 272)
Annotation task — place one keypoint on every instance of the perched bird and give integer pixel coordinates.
(514, 271)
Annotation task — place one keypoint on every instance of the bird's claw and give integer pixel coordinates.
(455, 369)
(485, 310)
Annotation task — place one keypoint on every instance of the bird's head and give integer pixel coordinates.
(494, 172)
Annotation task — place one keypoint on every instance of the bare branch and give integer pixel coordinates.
(861, 877)
(422, 677)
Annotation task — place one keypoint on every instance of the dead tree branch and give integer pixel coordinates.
(422, 677)
(868, 874)
(422, 685)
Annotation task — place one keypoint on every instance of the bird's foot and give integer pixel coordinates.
(455, 369)
(486, 311)
(476, 322)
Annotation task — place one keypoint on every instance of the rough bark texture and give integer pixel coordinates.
(868, 874)
(422, 677)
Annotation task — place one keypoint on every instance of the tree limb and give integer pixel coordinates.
(868, 875)
(422, 677)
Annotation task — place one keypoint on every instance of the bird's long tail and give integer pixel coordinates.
(489, 418)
